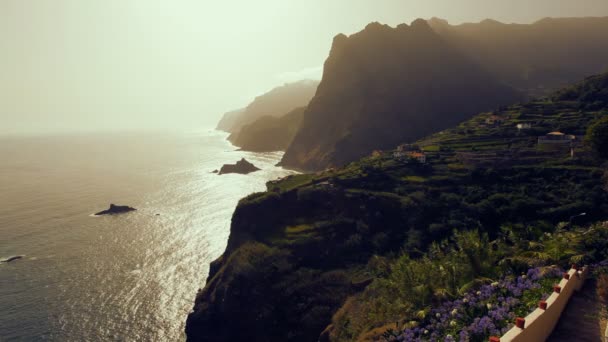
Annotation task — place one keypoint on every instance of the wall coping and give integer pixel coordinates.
(539, 324)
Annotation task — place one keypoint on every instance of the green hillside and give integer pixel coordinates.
(326, 252)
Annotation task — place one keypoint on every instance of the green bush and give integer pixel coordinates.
(597, 137)
(406, 288)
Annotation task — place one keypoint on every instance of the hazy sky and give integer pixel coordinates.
(86, 65)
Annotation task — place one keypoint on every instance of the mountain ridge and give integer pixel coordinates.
(351, 106)
(383, 86)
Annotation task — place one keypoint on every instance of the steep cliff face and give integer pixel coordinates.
(275, 103)
(384, 86)
(269, 133)
(536, 58)
(290, 264)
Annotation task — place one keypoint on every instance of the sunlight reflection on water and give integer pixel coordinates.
(129, 277)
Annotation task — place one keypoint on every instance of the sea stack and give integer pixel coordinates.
(116, 209)
(242, 166)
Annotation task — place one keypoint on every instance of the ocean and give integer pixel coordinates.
(130, 277)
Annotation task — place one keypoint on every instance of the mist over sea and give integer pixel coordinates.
(130, 277)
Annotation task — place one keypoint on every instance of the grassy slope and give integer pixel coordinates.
(298, 251)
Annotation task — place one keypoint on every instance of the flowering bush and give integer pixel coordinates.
(489, 311)
(400, 301)
(600, 272)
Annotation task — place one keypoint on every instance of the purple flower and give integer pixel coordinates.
(479, 314)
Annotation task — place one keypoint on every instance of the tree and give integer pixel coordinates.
(597, 137)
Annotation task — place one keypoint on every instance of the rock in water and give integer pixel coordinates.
(242, 166)
(116, 209)
(13, 258)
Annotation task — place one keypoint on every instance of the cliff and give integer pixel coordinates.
(275, 103)
(269, 133)
(301, 254)
(384, 86)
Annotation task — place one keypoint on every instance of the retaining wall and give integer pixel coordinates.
(538, 325)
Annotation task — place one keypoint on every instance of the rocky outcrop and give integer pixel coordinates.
(242, 166)
(384, 86)
(13, 258)
(268, 133)
(115, 209)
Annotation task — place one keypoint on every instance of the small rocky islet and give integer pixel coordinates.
(12, 258)
(115, 210)
(242, 167)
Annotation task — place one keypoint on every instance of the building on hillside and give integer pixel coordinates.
(377, 154)
(556, 138)
(419, 156)
(494, 120)
(325, 184)
(524, 125)
(399, 154)
(557, 141)
(410, 152)
(402, 150)
(408, 147)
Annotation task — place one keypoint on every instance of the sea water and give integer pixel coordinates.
(130, 277)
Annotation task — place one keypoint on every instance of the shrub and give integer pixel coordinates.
(597, 136)
(486, 312)
(602, 288)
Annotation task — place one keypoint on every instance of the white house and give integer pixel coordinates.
(399, 154)
(524, 125)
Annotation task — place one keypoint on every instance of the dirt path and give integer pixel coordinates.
(581, 320)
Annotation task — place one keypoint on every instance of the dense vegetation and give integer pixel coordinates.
(405, 300)
(591, 94)
(485, 312)
(597, 137)
(360, 250)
